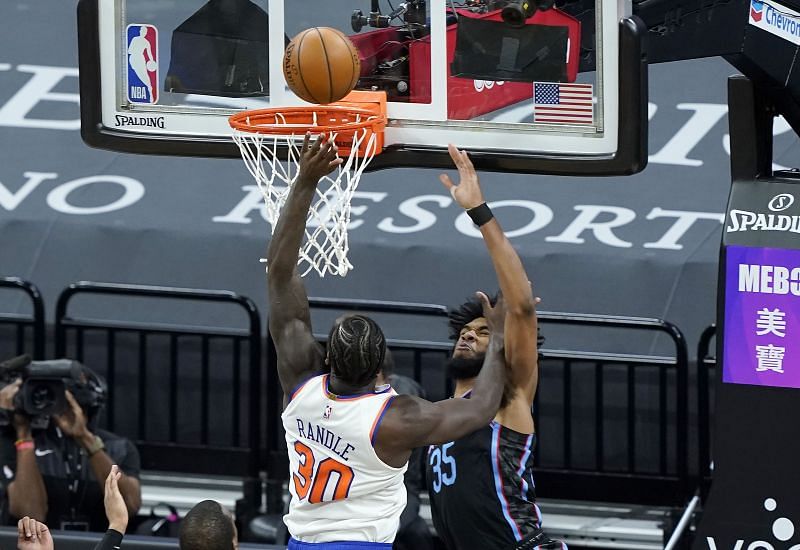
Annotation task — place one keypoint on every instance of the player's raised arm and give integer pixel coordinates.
(299, 355)
(521, 325)
(413, 422)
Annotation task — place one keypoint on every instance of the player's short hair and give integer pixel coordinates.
(356, 348)
(207, 526)
(470, 310)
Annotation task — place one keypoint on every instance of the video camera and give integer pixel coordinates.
(517, 12)
(44, 385)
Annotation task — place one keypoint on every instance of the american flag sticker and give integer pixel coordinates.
(562, 103)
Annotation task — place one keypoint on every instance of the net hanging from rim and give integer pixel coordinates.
(266, 136)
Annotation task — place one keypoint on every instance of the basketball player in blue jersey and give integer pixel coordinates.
(349, 441)
(481, 485)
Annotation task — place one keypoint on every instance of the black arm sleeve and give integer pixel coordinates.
(111, 541)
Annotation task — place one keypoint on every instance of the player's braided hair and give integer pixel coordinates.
(356, 347)
(471, 310)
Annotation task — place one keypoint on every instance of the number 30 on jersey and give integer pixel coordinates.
(312, 482)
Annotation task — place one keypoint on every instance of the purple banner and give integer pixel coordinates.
(762, 317)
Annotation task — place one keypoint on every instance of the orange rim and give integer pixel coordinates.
(330, 118)
(343, 121)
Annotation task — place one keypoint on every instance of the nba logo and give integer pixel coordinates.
(142, 58)
(756, 10)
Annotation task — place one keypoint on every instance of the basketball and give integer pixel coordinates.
(152, 66)
(321, 65)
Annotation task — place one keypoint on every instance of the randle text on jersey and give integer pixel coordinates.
(324, 437)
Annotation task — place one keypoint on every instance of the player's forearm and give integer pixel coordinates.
(488, 389)
(511, 274)
(101, 464)
(284, 246)
(27, 495)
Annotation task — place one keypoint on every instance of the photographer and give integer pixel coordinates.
(54, 468)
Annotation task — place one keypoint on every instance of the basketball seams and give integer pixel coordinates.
(316, 65)
(327, 64)
(299, 68)
(291, 68)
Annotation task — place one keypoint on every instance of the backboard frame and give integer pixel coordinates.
(617, 152)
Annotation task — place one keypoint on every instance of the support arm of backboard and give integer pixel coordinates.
(750, 117)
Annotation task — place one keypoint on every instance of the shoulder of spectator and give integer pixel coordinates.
(114, 439)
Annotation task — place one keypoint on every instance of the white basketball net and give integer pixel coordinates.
(326, 245)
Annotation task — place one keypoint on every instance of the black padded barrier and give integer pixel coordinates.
(168, 381)
(28, 329)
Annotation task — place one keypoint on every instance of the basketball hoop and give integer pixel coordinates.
(266, 136)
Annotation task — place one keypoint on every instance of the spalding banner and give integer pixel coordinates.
(755, 493)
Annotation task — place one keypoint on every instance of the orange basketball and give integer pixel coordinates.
(321, 65)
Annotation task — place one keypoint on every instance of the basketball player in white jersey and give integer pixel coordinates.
(348, 440)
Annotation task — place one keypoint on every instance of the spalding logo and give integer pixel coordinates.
(781, 202)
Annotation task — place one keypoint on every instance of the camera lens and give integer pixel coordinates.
(517, 12)
(42, 397)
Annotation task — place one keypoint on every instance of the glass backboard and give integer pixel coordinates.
(531, 88)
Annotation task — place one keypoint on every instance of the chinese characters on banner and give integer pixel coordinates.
(762, 317)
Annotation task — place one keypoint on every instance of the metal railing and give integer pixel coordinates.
(142, 363)
(706, 361)
(628, 479)
(613, 384)
(28, 330)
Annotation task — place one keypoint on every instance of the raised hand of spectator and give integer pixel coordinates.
(20, 421)
(73, 421)
(116, 511)
(33, 535)
(7, 394)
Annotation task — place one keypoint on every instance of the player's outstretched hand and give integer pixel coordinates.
(468, 191)
(495, 316)
(33, 535)
(116, 511)
(317, 159)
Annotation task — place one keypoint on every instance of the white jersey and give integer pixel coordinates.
(341, 490)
